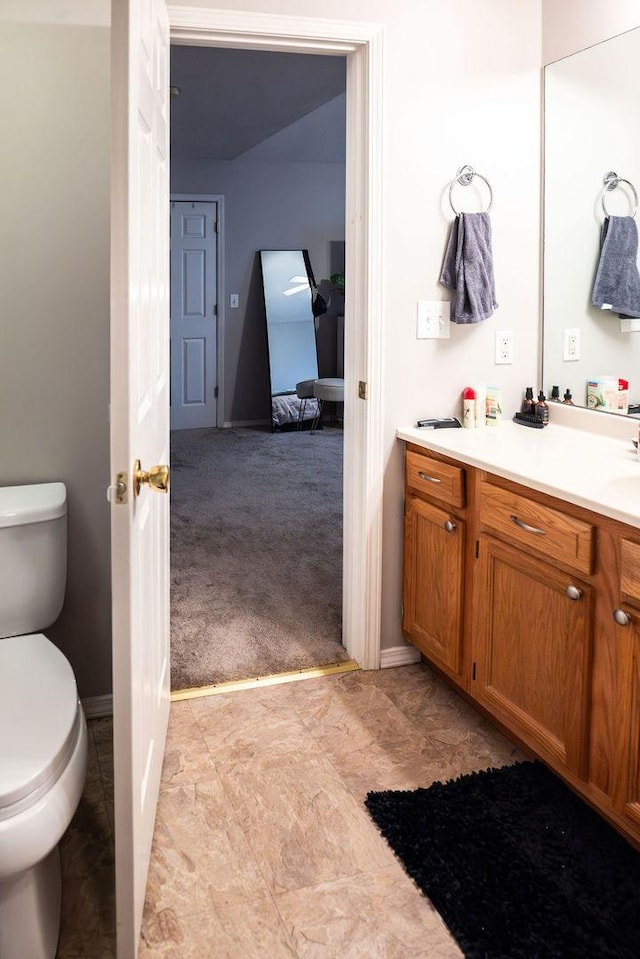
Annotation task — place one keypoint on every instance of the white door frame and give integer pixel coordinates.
(362, 44)
(220, 316)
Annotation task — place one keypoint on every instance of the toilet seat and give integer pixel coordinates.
(40, 719)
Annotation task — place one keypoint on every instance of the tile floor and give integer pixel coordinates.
(263, 847)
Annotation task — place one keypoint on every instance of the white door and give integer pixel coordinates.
(139, 430)
(194, 306)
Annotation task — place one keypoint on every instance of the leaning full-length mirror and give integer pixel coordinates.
(291, 333)
(592, 127)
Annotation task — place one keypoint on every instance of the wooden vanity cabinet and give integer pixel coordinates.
(532, 651)
(516, 607)
(435, 559)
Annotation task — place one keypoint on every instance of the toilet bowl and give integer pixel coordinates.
(43, 733)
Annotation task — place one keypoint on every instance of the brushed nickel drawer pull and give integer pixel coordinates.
(449, 526)
(621, 618)
(429, 479)
(528, 529)
(574, 593)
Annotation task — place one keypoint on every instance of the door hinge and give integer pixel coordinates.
(215, 309)
(215, 392)
(216, 226)
(477, 548)
(363, 390)
(473, 670)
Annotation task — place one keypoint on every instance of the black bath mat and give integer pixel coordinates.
(517, 866)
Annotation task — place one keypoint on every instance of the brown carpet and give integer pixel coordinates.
(256, 553)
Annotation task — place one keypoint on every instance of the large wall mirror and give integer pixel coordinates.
(592, 127)
(291, 333)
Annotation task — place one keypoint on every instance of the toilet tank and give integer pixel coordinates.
(33, 556)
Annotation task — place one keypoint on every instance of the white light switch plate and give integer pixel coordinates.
(433, 319)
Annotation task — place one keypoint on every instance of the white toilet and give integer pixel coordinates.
(43, 734)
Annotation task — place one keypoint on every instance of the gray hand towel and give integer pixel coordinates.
(468, 268)
(617, 282)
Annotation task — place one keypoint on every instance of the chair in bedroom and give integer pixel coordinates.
(329, 389)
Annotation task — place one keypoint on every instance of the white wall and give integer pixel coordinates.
(462, 85)
(571, 25)
(268, 205)
(54, 299)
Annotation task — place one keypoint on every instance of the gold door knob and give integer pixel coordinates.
(157, 478)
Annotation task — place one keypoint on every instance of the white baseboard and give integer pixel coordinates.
(399, 656)
(98, 707)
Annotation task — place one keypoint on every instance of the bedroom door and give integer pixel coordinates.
(194, 313)
(139, 432)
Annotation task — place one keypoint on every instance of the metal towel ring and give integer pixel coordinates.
(464, 176)
(611, 181)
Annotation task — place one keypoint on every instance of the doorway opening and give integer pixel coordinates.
(361, 45)
(257, 506)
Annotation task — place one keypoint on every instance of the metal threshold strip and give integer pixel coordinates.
(232, 686)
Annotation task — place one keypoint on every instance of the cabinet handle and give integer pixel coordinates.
(621, 618)
(573, 593)
(528, 529)
(449, 525)
(429, 479)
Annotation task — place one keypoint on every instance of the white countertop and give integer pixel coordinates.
(597, 472)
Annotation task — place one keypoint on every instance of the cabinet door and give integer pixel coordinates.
(532, 652)
(433, 582)
(628, 757)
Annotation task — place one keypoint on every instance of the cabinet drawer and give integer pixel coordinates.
(630, 571)
(440, 480)
(539, 528)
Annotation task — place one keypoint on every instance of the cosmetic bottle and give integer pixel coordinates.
(469, 408)
(494, 405)
(623, 396)
(481, 405)
(542, 410)
(555, 394)
(567, 398)
(527, 403)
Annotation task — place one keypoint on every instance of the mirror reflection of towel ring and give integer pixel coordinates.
(464, 177)
(611, 181)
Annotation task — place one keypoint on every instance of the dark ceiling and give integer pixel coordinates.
(232, 100)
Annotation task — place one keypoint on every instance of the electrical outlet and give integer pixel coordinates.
(571, 351)
(504, 346)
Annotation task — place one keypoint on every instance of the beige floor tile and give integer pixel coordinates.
(88, 842)
(240, 930)
(379, 915)
(93, 791)
(405, 765)
(200, 856)
(427, 702)
(303, 824)
(186, 757)
(88, 891)
(479, 748)
(103, 736)
(355, 720)
(246, 725)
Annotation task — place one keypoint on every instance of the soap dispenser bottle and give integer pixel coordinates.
(541, 408)
(528, 401)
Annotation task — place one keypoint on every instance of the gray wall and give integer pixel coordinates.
(54, 304)
(271, 206)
